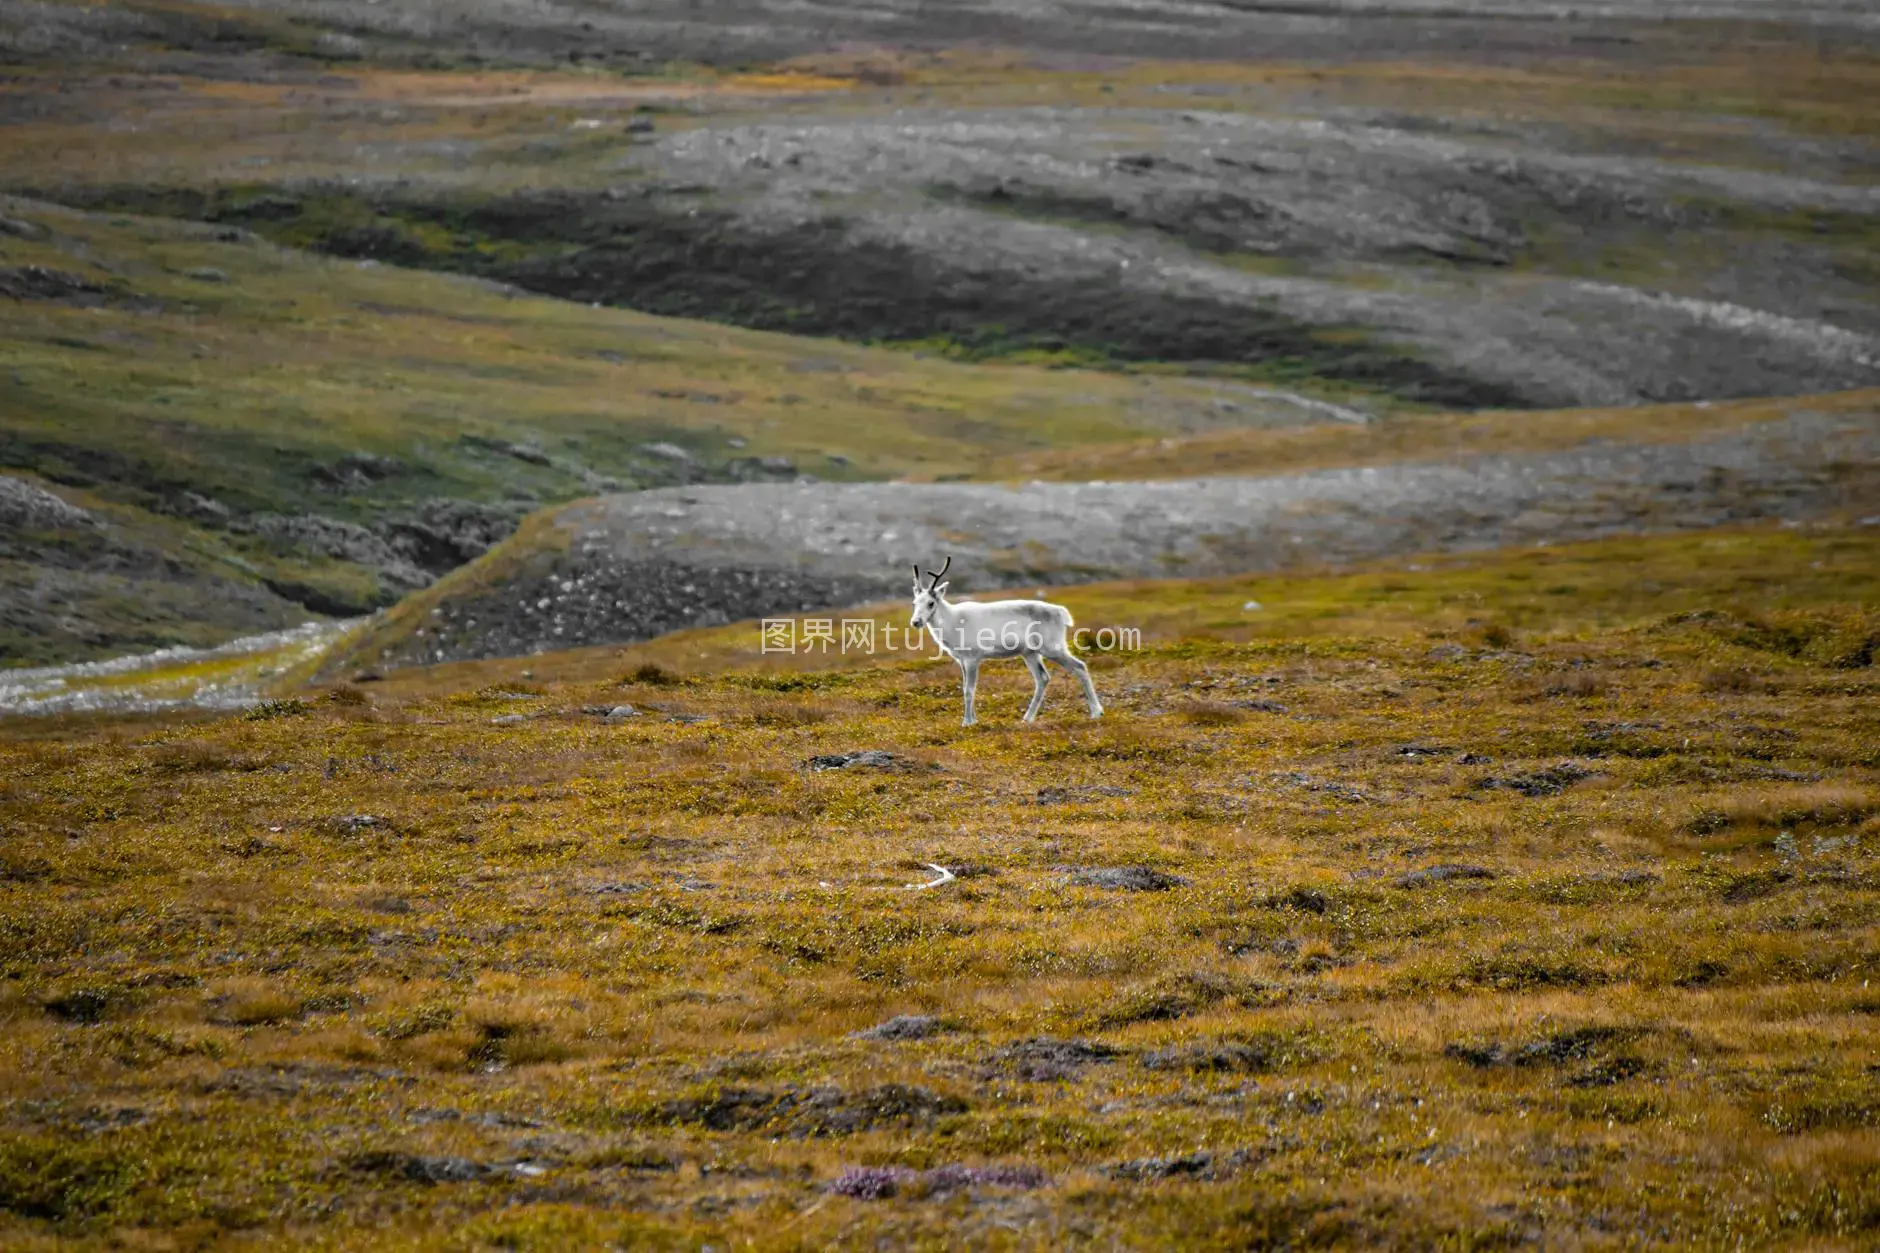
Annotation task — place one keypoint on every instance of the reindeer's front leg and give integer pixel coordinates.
(969, 684)
(1040, 677)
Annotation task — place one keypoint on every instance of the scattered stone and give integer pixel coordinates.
(1474, 759)
(26, 506)
(203, 509)
(1259, 706)
(727, 1109)
(1577, 1044)
(745, 469)
(20, 228)
(355, 823)
(640, 125)
(358, 470)
(1413, 751)
(1448, 652)
(1047, 1059)
(1225, 1056)
(208, 274)
(442, 534)
(1607, 1072)
(867, 757)
(903, 1027)
(1126, 878)
(1443, 874)
(508, 720)
(38, 282)
(1549, 782)
(418, 1168)
(1350, 793)
(665, 452)
(832, 1112)
(533, 454)
(339, 46)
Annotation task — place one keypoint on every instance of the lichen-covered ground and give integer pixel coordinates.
(1471, 901)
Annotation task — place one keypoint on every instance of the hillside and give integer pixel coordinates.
(1461, 206)
(204, 435)
(1526, 897)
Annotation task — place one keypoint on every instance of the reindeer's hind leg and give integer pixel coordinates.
(1069, 660)
(969, 684)
(1039, 678)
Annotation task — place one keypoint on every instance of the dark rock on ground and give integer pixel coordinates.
(1576, 1044)
(903, 1027)
(1126, 878)
(1350, 793)
(1228, 1057)
(343, 541)
(444, 534)
(729, 1109)
(418, 1168)
(1549, 782)
(831, 1112)
(1446, 873)
(1046, 1059)
(26, 506)
(38, 282)
(874, 757)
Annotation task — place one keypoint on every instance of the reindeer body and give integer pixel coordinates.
(971, 632)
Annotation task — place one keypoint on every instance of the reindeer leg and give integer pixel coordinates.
(1039, 678)
(969, 684)
(1070, 662)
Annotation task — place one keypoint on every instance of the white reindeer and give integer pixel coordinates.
(970, 633)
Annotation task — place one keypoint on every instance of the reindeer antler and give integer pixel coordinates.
(943, 572)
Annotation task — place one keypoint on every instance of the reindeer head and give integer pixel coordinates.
(928, 596)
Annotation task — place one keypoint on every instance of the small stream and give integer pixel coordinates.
(229, 676)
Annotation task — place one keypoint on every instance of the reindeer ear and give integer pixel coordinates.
(940, 589)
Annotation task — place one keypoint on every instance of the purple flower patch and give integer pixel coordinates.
(871, 1183)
